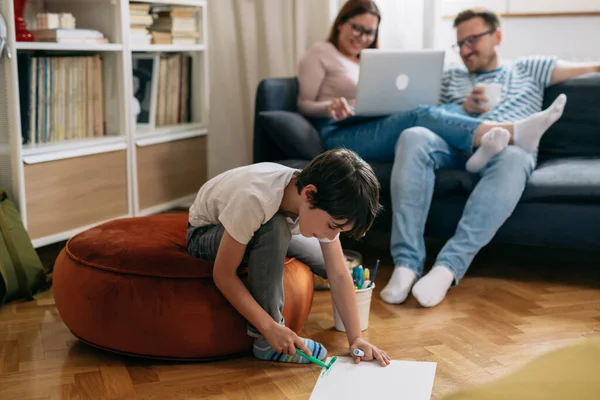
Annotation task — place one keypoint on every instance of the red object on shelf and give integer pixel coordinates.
(22, 34)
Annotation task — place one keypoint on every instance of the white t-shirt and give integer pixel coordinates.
(242, 199)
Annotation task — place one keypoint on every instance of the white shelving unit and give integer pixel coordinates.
(62, 188)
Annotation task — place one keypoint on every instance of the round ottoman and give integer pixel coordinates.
(129, 286)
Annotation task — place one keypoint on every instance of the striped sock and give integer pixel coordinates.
(263, 350)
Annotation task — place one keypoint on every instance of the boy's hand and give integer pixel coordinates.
(284, 340)
(371, 352)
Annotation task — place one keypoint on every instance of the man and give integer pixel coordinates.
(504, 173)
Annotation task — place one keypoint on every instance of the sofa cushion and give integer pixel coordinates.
(577, 132)
(292, 133)
(565, 179)
(556, 180)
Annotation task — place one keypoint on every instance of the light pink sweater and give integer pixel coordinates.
(323, 75)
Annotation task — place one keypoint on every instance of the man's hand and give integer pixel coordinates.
(371, 352)
(339, 109)
(473, 104)
(284, 340)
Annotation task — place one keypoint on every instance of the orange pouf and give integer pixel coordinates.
(129, 286)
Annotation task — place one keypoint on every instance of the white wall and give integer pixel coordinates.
(571, 38)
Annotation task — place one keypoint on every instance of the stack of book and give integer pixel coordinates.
(54, 21)
(173, 97)
(175, 25)
(60, 28)
(140, 21)
(70, 36)
(62, 98)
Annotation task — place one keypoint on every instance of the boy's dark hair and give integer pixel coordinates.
(489, 17)
(347, 188)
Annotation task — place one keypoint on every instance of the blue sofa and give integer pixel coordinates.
(560, 206)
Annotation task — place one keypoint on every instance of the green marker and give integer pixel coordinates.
(316, 360)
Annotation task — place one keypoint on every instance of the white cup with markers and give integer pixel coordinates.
(364, 283)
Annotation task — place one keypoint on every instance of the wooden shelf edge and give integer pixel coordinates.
(39, 155)
(196, 3)
(68, 47)
(167, 48)
(542, 15)
(150, 139)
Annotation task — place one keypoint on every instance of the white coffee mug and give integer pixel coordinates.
(492, 91)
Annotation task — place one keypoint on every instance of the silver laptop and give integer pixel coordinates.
(397, 80)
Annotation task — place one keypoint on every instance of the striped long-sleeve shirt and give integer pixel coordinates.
(523, 82)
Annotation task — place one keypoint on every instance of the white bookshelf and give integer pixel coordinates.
(64, 187)
(168, 48)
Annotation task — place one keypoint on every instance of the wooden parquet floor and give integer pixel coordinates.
(514, 304)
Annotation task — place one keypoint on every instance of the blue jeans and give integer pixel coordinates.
(419, 152)
(265, 256)
(374, 139)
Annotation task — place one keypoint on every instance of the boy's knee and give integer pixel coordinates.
(276, 230)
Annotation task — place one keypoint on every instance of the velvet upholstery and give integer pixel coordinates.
(129, 286)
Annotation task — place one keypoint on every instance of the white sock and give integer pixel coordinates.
(431, 289)
(398, 287)
(492, 143)
(529, 131)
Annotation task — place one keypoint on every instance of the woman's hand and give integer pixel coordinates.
(371, 352)
(339, 109)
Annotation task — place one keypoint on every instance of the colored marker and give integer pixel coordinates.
(359, 353)
(358, 277)
(367, 274)
(375, 272)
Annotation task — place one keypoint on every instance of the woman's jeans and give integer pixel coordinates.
(374, 139)
(419, 153)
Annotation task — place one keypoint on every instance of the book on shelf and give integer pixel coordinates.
(61, 28)
(88, 36)
(140, 21)
(62, 97)
(175, 25)
(54, 21)
(173, 96)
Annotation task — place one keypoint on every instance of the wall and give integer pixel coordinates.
(571, 38)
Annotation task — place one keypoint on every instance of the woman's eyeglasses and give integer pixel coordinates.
(359, 31)
(471, 41)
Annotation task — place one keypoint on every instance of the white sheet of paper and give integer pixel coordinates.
(369, 380)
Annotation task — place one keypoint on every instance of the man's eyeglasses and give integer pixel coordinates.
(359, 31)
(471, 41)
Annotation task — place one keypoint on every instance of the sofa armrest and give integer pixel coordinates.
(272, 94)
(294, 135)
(277, 94)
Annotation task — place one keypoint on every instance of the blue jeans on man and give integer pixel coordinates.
(419, 153)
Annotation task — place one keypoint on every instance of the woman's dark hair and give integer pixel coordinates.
(351, 9)
(347, 188)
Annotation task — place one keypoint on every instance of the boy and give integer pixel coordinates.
(255, 212)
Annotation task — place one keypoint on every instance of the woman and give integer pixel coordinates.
(328, 76)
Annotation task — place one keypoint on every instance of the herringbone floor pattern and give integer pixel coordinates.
(513, 305)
